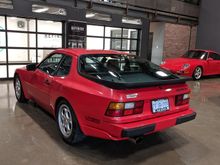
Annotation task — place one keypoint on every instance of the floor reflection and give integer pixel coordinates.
(29, 134)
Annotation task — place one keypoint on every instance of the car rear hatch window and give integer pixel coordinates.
(124, 71)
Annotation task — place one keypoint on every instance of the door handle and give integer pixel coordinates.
(46, 81)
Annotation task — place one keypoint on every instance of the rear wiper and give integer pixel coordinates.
(109, 71)
(114, 74)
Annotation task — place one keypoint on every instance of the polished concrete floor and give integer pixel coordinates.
(29, 136)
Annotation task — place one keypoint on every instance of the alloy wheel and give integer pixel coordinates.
(198, 73)
(18, 88)
(65, 120)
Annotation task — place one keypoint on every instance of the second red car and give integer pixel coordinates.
(194, 63)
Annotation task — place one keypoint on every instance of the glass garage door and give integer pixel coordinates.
(24, 41)
(113, 38)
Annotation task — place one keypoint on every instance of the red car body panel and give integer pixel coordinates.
(210, 67)
(90, 100)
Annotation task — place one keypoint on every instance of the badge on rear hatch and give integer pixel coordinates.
(132, 96)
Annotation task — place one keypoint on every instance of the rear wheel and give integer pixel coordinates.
(19, 93)
(197, 74)
(68, 124)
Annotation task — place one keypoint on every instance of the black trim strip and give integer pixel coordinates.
(30, 32)
(27, 48)
(138, 131)
(186, 118)
(115, 85)
(120, 38)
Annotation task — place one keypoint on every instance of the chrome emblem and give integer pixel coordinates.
(132, 96)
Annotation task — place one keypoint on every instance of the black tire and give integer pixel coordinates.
(197, 73)
(75, 135)
(19, 93)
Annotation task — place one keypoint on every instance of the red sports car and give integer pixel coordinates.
(104, 94)
(194, 63)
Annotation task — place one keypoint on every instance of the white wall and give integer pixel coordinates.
(158, 41)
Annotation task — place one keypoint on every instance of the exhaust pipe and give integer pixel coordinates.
(136, 140)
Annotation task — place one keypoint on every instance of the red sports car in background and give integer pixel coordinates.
(104, 94)
(194, 63)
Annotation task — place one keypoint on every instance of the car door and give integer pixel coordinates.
(43, 79)
(213, 63)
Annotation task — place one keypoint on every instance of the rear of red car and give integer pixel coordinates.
(144, 98)
(154, 109)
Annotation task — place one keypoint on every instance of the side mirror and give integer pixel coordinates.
(31, 67)
(210, 59)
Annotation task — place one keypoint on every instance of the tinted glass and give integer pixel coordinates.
(214, 56)
(65, 66)
(50, 64)
(121, 68)
(196, 54)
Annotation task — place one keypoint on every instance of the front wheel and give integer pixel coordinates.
(197, 74)
(68, 124)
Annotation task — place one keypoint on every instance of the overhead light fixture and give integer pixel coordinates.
(130, 20)
(6, 4)
(41, 10)
(90, 15)
(98, 16)
(48, 9)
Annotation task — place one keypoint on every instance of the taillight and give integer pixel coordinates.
(124, 109)
(182, 99)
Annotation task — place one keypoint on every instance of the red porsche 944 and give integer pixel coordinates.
(194, 63)
(104, 94)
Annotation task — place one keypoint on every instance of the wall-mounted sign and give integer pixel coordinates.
(75, 35)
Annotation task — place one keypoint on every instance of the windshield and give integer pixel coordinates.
(195, 54)
(121, 69)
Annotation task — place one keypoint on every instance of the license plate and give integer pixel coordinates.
(160, 105)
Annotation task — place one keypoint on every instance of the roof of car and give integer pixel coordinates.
(78, 52)
(205, 50)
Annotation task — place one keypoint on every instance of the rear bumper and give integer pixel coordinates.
(113, 131)
(150, 128)
(138, 131)
(186, 118)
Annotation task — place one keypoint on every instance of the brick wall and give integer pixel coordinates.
(193, 37)
(176, 39)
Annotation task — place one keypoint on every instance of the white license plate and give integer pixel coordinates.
(160, 105)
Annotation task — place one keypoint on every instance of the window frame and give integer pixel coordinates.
(64, 55)
(122, 86)
(60, 62)
(34, 48)
(216, 54)
(54, 53)
(206, 54)
(121, 38)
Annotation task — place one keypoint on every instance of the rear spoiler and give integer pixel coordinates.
(122, 86)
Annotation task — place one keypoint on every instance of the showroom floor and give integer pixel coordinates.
(28, 135)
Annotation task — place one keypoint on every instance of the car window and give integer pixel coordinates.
(120, 68)
(50, 64)
(65, 66)
(214, 56)
(195, 54)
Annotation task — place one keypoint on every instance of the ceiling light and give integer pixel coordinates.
(130, 20)
(90, 15)
(41, 10)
